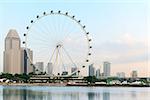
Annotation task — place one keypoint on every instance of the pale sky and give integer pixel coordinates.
(119, 28)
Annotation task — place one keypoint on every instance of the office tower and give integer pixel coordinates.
(91, 70)
(121, 75)
(49, 68)
(12, 53)
(98, 73)
(134, 74)
(39, 66)
(106, 68)
(26, 56)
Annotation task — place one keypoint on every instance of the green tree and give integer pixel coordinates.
(90, 79)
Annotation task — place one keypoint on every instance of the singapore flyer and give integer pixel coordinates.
(60, 43)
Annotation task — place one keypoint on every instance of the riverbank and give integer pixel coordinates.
(66, 84)
(33, 84)
(108, 85)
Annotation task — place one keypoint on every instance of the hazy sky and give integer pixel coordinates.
(119, 28)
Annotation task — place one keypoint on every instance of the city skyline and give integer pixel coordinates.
(119, 32)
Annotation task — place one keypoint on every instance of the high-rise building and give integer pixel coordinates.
(134, 74)
(91, 70)
(25, 60)
(39, 66)
(49, 68)
(106, 68)
(12, 53)
(121, 75)
(98, 73)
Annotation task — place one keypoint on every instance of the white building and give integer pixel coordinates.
(12, 53)
(98, 73)
(91, 70)
(134, 74)
(49, 68)
(121, 75)
(39, 66)
(106, 68)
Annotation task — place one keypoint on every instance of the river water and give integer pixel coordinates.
(73, 93)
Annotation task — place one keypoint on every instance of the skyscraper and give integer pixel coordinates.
(91, 70)
(134, 74)
(49, 68)
(12, 53)
(106, 68)
(98, 73)
(25, 62)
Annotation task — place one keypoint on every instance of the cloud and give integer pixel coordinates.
(126, 49)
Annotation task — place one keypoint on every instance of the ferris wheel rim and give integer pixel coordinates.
(78, 22)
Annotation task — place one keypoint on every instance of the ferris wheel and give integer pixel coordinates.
(60, 42)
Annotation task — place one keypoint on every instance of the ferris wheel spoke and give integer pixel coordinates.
(51, 33)
(65, 27)
(53, 29)
(40, 30)
(42, 36)
(70, 33)
(59, 24)
(44, 29)
(40, 47)
(44, 32)
(40, 40)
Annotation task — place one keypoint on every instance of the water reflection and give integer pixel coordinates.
(91, 96)
(22, 94)
(26, 94)
(67, 93)
(106, 96)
